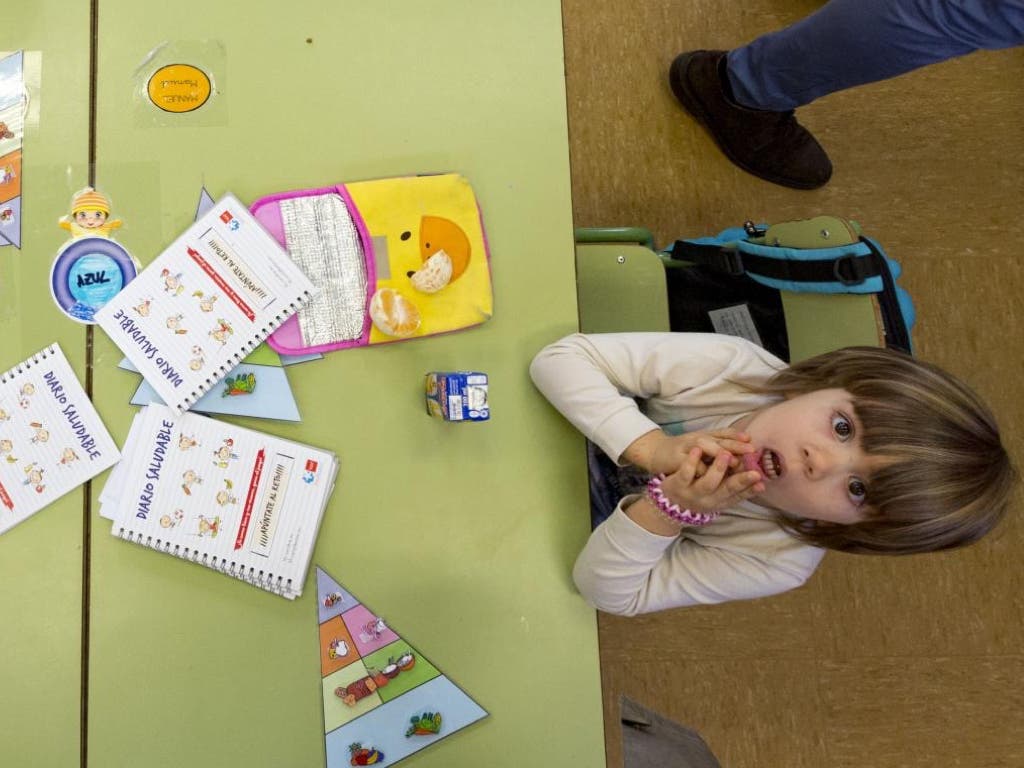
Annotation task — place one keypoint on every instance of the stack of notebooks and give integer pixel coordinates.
(239, 501)
(236, 500)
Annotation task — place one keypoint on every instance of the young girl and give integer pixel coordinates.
(859, 450)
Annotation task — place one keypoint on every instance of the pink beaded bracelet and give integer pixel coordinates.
(673, 511)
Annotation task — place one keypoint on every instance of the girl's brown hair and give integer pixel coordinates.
(947, 480)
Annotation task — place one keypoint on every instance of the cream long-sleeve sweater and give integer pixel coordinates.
(687, 381)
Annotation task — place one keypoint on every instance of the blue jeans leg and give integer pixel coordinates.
(852, 42)
(609, 483)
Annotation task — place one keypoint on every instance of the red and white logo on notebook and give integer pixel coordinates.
(226, 216)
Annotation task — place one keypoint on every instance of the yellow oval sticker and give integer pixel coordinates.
(179, 88)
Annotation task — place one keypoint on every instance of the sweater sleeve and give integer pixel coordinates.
(627, 570)
(594, 380)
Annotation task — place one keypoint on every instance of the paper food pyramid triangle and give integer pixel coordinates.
(383, 700)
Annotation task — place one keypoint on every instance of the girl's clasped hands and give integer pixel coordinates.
(704, 472)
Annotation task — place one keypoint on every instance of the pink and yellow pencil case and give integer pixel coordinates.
(394, 259)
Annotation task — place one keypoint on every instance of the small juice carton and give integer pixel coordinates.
(458, 396)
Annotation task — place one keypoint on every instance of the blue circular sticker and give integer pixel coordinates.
(88, 273)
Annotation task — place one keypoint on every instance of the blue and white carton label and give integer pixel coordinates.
(458, 396)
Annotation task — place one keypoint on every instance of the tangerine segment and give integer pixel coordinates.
(393, 313)
(438, 234)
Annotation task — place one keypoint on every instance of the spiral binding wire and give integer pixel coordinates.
(25, 365)
(262, 579)
(254, 341)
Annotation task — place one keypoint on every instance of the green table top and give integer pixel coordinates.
(461, 535)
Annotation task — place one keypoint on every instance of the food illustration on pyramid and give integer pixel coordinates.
(383, 700)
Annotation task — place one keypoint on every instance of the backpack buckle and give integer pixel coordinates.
(850, 269)
(753, 230)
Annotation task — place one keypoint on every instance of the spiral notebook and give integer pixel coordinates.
(51, 438)
(204, 303)
(241, 502)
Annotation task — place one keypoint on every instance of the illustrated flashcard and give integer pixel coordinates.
(13, 106)
(383, 700)
(257, 387)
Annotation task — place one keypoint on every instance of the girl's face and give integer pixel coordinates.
(808, 451)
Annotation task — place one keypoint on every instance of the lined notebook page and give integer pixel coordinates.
(210, 298)
(51, 438)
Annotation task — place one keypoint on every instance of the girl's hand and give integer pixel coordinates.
(662, 454)
(698, 487)
(714, 489)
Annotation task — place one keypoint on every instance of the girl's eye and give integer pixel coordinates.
(857, 489)
(842, 426)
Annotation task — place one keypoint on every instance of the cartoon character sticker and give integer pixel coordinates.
(189, 478)
(34, 477)
(6, 448)
(172, 283)
(143, 307)
(225, 454)
(185, 442)
(198, 359)
(205, 302)
(172, 520)
(174, 324)
(41, 435)
(27, 390)
(90, 215)
(225, 497)
(209, 526)
(222, 331)
(68, 456)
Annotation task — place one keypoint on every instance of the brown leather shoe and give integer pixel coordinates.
(770, 145)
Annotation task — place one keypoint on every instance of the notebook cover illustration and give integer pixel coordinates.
(395, 258)
(208, 300)
(51, 438)
(239, 501)
(383, 700)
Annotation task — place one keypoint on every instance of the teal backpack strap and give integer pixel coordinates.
(858, 265)
(852, 268)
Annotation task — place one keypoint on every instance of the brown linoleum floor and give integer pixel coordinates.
(889, 663)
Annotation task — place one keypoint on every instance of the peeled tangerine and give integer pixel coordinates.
(434, 275)
(394, 314)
